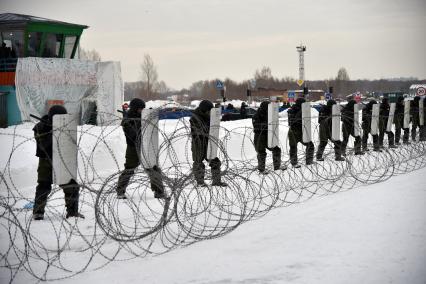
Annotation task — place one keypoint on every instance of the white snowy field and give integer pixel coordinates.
(372, 234)
(363, 234)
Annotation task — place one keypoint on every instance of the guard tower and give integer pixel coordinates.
(29, 36)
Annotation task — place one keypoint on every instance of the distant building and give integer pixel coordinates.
(287, 95)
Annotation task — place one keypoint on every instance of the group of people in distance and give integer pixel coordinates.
(200, 126)
(295, 133)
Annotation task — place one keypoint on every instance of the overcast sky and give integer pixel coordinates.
(191, 40)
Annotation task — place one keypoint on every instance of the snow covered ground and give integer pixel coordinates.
(373, 234)
(369, 234)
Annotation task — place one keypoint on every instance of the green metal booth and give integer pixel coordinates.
(30, 36)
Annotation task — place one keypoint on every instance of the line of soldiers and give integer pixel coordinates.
(200, 126)
(398, 121)
(295, 133)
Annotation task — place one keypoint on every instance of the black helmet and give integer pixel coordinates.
(372, 102)
(205, 105)
(351, 103)
(331, 102)
(263, 108)
(300, 101)
(136, 104)
(56, 109)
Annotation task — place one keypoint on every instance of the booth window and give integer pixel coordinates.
(52, 45)
(69, 46)
(34, 41)
(14, 44)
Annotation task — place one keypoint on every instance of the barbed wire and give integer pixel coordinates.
(120, 230)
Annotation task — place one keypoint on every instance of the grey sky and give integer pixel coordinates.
(191, 40)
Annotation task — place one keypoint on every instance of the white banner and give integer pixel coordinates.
(38, 80)
(407, 114)
(64, 148)
(335, 123)
(273, 125)
(212, 146)
(375, 114)
(149, 138)
(306, 122)
(391, 117)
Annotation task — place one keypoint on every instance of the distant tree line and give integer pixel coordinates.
(150, 88)
(342, 86)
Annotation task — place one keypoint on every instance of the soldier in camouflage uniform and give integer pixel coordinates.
(43, 137)
(295, 134)
(399, 122)
(260, 127)
(383, 122)
(349, 128)
(200, 128)
(131, 124)
(367, 115)
(325, 130)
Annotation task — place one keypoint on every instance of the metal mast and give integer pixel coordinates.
(301, 49)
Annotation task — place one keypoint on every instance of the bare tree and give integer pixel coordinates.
(162, 87)
(149, 75)
(342, 74)
(265, 73)
(264, 77)
(92, 55)
(196, 89)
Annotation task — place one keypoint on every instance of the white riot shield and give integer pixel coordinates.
(212, 146)
(421, 111)
(306, 122)
(357, 125)
(273, 125)
(149, 138)
(407, 114)
(391, 117)
(64, 148)
(375, 113)
(335, 123)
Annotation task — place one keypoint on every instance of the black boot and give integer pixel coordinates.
(199, 170)
(38, 216)
(276, 159)
(156, 181)
(216, 178)
(339, 158)
(123, 181)
(76, 215)
(42, 192)
(160, 194)
(71, 191)
(261, 160)
(310, 149)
